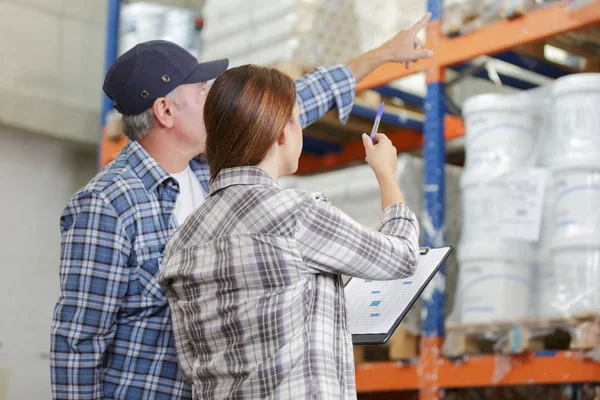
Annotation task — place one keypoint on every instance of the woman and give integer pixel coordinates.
(253, 276)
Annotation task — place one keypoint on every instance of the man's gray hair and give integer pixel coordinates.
(135, 127)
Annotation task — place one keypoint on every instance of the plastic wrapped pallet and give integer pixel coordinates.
(380, 20)
(496, 274)
(307, 32)
(550, 280)
(355, 191)
(304, 32)
(141, 21)
(462, 16)
(575, 195)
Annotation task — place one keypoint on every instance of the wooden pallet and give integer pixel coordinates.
(581, 332)
(403, 345)
(586, 335)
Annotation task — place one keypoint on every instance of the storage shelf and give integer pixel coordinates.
(490, 39)
(559, 367)
(404, 139)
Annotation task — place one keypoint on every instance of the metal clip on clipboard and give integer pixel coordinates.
(423, 250)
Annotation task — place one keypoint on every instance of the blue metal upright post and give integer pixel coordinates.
(433, 224)
(432, 221)
(111, 48)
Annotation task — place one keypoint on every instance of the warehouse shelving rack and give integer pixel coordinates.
(432, 372)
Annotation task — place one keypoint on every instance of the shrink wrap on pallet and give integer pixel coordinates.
(303, 32)
(574, 251)
(306, 32)
(496, 270)
(462, 16)
(542, 282)
(143, 21)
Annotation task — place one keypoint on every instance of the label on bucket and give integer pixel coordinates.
(524, 193)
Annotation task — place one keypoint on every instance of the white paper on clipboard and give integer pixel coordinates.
(374, 307)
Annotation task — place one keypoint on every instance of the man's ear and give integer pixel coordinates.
(162, 112)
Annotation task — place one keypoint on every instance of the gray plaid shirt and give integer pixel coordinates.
(253, 280)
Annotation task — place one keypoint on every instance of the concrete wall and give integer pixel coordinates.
(53, 55)
(38, 176)
(50, 95)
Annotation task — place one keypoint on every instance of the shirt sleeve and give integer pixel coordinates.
(93, 280)
(331, 241)
(317, 93)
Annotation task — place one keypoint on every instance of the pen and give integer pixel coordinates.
(377, 121)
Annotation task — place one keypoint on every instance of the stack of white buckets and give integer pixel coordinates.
(495, 275)
(574, 216)
(558, 276)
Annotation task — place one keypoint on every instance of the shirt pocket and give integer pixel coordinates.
(149, 259)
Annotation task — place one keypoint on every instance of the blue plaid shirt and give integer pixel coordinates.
(111, 333)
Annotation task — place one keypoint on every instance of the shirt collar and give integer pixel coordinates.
(241, 176)
(152, 174)
(145, 167)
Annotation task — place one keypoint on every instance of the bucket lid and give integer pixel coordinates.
(498, 250)
(576, 241)
(497, 101)
(577, 82)
(581, 162)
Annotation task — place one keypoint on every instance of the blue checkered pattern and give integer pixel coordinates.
(111, 333)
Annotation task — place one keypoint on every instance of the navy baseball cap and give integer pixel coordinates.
(151, 70)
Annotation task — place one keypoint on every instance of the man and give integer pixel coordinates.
(111, 333)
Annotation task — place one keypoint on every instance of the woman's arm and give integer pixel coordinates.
(331, 241)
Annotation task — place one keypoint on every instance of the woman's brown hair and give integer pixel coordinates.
(246, 109)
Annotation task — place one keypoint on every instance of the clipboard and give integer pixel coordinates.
(375, 308)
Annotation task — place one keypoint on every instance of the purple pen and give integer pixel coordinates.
(377, 121)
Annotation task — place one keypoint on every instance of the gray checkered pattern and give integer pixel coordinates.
(253, 281)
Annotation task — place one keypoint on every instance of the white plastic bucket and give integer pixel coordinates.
(481, 206)
(495, 281)
(541, 98)
(494, 123)
(544, 294)
(547, 225)
(576, 264)
(577, 114)
(576, 197)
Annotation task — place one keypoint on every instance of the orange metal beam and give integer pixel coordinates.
(386, 377)
(497, 36)
(403, 140)
(563, 367)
